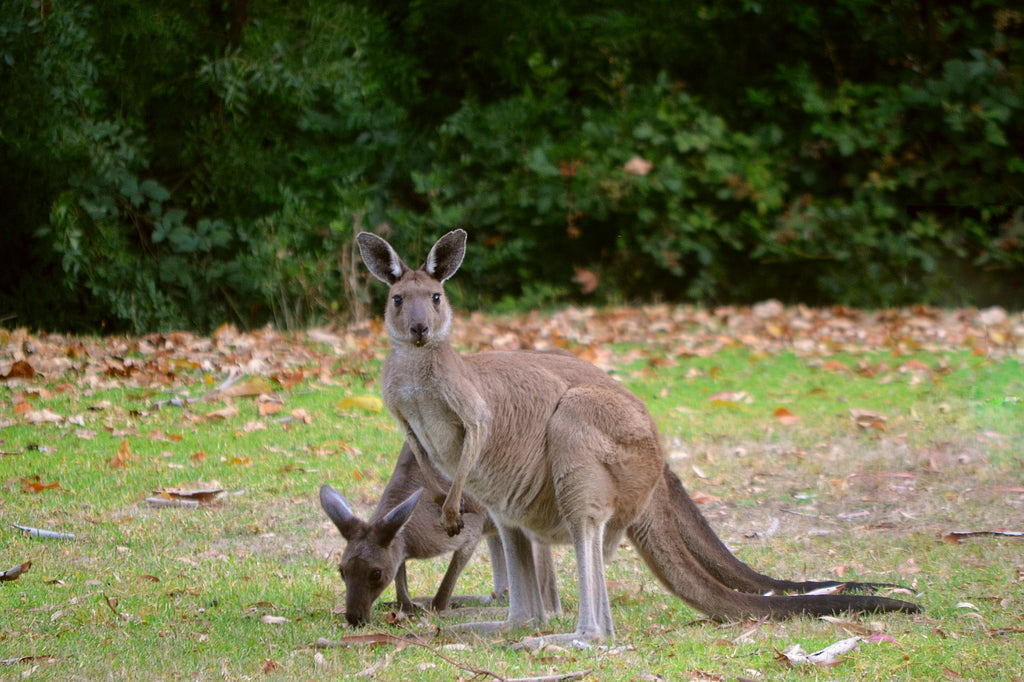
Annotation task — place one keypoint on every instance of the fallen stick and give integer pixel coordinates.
(42, 533)
(385, 638)
(956, 536)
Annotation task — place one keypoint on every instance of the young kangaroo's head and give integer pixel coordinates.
(418, 312)
(371, 557)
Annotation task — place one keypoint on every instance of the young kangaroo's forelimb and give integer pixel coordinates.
(437, 489)
(405, 527)
(559, 452)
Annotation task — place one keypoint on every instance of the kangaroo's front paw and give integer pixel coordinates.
(407, 606)
(451, 521)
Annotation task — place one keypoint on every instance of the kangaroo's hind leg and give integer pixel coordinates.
(525, 604)
(605, 459)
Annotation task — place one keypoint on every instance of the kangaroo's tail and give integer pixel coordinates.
(662, 537)
(706, 547)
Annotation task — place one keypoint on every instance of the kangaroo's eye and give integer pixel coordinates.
(375, 576)
(437, 298)
(397, 300)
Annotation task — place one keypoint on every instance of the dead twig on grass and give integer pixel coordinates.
(402, 642)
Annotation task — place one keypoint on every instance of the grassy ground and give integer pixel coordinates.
(846, 463)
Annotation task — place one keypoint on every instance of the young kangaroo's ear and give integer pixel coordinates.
(446, 255)
(381, 260)
(388, 528)
(339, 511)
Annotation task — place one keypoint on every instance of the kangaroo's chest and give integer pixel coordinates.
(438, 429)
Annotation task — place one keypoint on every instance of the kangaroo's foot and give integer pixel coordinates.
(496, 627)
(489, 627)
(568, 640)
(465, 600)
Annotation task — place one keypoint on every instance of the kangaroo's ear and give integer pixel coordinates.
(339, 511)
(388, 528)
(381, 260)
(446, 255)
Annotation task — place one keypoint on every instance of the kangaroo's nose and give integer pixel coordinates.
(354, 619)
(419, 332)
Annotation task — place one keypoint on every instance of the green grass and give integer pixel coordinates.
(144, 592)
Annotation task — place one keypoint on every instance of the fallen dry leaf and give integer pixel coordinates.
(302, 415)
(19, 370)
(33, 484)
(27, 659)
(122, 457)
(16, 571)
(253, 386)
(252, 426)
(227, 412)
(827, 657)
(914, 366)
(368, 403)
(727, 397)
(268, 404)
(42, 417)
(159, 435)
(201, 493)
(834, 366)
(786, 417)
(171, 360)
(868, 419)
(993, 316)
(289, 380)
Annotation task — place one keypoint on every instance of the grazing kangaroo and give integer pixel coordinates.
(558, 452)
(402, 527)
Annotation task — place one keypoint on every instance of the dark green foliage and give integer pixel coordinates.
(861, 153)
(186, 164)
(181, 164)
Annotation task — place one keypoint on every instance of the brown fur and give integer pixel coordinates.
(404, 527)
(558, 452)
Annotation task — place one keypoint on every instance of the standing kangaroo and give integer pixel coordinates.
(558, 452)
(402, 527)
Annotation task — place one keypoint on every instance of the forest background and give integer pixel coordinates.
(178, 164)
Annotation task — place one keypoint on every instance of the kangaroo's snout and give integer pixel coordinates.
(358, 604)
(356, 619)
(419, 332)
